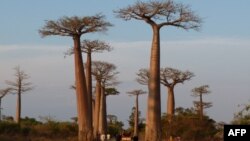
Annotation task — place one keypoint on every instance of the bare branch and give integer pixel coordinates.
(105, 73)
(4, 92)
(143, 77)
(161, 13)
(197, 91)
(90, 46)
(170, 77)
(71, 26)
(136, 92)
(19, 85)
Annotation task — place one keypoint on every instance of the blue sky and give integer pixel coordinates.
(218, 55)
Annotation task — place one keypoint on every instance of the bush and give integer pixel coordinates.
(38, 131)
(9, 128)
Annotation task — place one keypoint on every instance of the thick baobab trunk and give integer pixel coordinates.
(170, 104)
(103, 114)
(18, 108)
(201, 107)
(89, 85)
(97, 109)
(136, 118)
(154, 98)
(84, 125)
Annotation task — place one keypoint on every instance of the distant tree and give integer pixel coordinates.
(111, 91)
(74, 119)
(29, 122)
(201, 105)
(19, 86)
(158, 14)
(169, 78)
(136, 93)
(75, 27)
(3, 92)
(131, 120)
(187, 127)
(8, 118)
(111, 118)
(243, 116)
(105, 75)
(114, 126)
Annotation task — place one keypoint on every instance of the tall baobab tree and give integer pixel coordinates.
(136, 93)
(158, 14)
(105, 75)
(75, 27)
(19, 86)
(3, 92)
(89, 47)
(169, 78)
(201, 105)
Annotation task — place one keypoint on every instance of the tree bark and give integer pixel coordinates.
(201, 107)
(84, 126)
(170, 104)
(103, 114)
(136, 118)
(18, 108)
(89, 84)
(154, 98)
(1, 109)
(97, 109)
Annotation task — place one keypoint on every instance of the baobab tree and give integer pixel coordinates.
(75, 27)
(136, 93)
(18, 87)
(105, 75)
(201, 105)
(3, 92)
(89, 47)
(158, 14)
(169, 78)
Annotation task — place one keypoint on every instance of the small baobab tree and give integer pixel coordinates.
(136, 93)
(3, 92)
(18, 87)
(169, 78)
(105, 76)
(75, 27)
(201, 105)
(158, 14)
